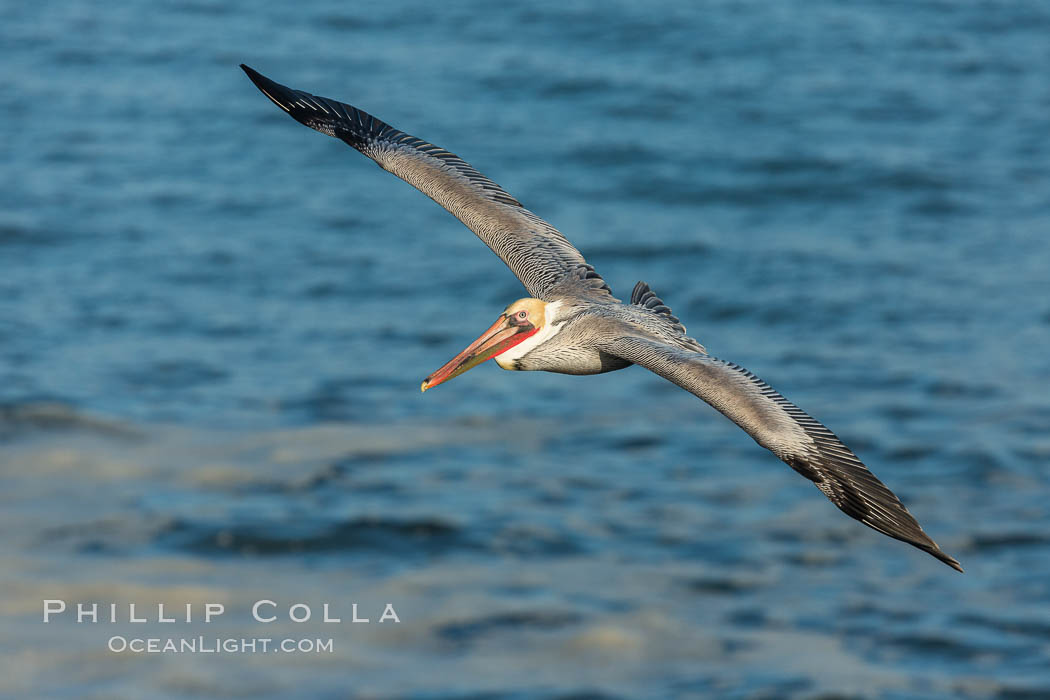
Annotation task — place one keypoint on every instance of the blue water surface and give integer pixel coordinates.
(214, 322)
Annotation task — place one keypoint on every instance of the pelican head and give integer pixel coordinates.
(520, 321)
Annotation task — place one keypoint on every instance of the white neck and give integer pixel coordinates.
(506, 359)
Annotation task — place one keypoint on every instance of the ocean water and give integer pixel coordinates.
(214, 322)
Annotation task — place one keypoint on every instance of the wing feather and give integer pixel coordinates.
(542, 258)
(784, 429)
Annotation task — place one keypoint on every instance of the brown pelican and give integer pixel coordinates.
(572, 324)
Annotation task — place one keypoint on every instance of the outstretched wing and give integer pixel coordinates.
(534, 250)
(785, 430)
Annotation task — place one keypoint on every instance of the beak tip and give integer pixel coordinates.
(424, 386)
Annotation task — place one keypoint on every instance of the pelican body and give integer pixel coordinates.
(572, 324)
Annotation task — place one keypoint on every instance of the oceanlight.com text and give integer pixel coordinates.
(218, 645)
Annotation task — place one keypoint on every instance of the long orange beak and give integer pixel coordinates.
(504, 334)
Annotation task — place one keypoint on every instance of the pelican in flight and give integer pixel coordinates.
(572, 324)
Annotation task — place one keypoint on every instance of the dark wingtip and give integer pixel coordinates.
(280, 95)
(260, 80)
(931, 548)
(949, 560)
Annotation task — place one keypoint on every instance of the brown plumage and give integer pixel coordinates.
(574, 325)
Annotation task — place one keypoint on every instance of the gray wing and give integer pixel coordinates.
(534, 250)
(785, 430)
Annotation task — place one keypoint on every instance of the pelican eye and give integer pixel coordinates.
(523, 315)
